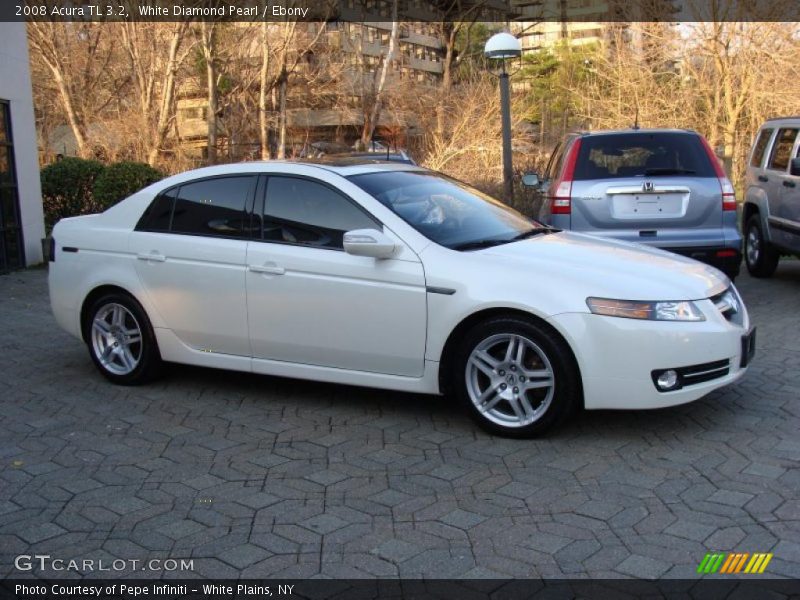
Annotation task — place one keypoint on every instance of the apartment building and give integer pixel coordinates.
(359, 37)
(547, 23)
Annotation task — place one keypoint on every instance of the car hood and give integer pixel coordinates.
(613, 268)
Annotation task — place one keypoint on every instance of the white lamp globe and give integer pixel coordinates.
(502, 46)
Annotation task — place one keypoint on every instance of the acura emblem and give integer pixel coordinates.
(647, 186)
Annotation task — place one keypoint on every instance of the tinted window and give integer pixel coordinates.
(158, 215)
(782, 149)
(444, 210)
(5, 133)
(213, 207)
(300, 211)
(760, 147)
(642, 154)
(6, 166)
(554, 164)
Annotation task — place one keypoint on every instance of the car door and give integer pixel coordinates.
(309, 302)
(191, 246)
(791, 202)
(784, 218)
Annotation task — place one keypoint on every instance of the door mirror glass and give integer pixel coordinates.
(369, 242)
(794, 167)
(531, 180)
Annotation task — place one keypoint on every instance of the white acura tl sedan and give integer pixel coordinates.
(391, 276)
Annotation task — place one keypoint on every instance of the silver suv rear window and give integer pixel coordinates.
(621, 155)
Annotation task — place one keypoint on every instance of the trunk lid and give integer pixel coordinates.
(645, 186)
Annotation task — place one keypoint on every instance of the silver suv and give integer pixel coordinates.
(660, 187)
(771, 213)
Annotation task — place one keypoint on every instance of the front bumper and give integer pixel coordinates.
(617, 356)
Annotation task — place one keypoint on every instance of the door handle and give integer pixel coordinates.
(763, 178)
(151, 256)
(789, 184)
(270, 269)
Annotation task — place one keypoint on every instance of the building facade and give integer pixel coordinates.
(357, 38)
(21, 218)
(547, 23)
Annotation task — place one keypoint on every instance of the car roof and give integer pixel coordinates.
(630, 130)
(792, 118)
(344, 166)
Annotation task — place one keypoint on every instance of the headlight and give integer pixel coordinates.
(653, 311)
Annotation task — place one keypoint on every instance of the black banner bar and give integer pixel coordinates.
(498, 11)
(740, 587)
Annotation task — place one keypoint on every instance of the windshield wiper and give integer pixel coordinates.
(488, 243)
(533, 232)
(478, 244)
(669, 171)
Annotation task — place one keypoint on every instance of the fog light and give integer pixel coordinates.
(667, 380)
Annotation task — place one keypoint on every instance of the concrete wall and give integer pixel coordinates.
(15, 86)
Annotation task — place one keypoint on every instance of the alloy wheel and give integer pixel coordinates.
(510, 380)
(116, 339)
(753, 245)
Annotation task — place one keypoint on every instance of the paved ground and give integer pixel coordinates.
(254, 476)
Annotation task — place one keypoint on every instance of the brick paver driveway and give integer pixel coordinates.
(256, 476)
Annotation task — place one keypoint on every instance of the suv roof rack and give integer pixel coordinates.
(783, 118)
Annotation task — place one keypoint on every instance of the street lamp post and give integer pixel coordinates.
(502, 47)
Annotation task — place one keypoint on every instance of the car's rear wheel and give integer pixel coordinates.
(121, 340)
(760, 256)
(515, 377)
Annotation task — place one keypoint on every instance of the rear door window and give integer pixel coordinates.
(782, 149)
(641, 155)
(213, 207)
(554, 164)
(760, 147)
(158, 215)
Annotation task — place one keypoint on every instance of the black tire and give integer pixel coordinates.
(146, 357)
(542, 346)
(760, 256)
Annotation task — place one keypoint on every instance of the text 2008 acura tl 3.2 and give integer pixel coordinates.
(391, 276)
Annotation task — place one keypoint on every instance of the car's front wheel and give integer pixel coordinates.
(121, 340)
(516, 377)
(760, 256)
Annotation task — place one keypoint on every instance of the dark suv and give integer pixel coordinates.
(660, 187)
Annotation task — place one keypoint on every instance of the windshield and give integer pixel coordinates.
(445, 210)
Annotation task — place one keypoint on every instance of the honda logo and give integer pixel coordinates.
(647, 186)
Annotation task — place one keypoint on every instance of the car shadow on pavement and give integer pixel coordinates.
(351, 401)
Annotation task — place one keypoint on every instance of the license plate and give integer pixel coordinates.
(648, 206)
(748, 347)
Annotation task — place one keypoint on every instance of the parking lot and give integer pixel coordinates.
(255, 476)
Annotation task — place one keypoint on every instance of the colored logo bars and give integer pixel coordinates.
(734, 562)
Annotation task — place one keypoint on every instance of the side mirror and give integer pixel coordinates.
(369, 242)
(794, 167)
(531, 180)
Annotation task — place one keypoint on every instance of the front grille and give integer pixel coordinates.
(705, 372)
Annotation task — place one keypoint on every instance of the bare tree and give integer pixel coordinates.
(208, 45)
(77, 56)
(373, 112)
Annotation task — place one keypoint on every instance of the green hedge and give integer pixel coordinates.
(75, 186)
(67, 189)
(120, 180)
